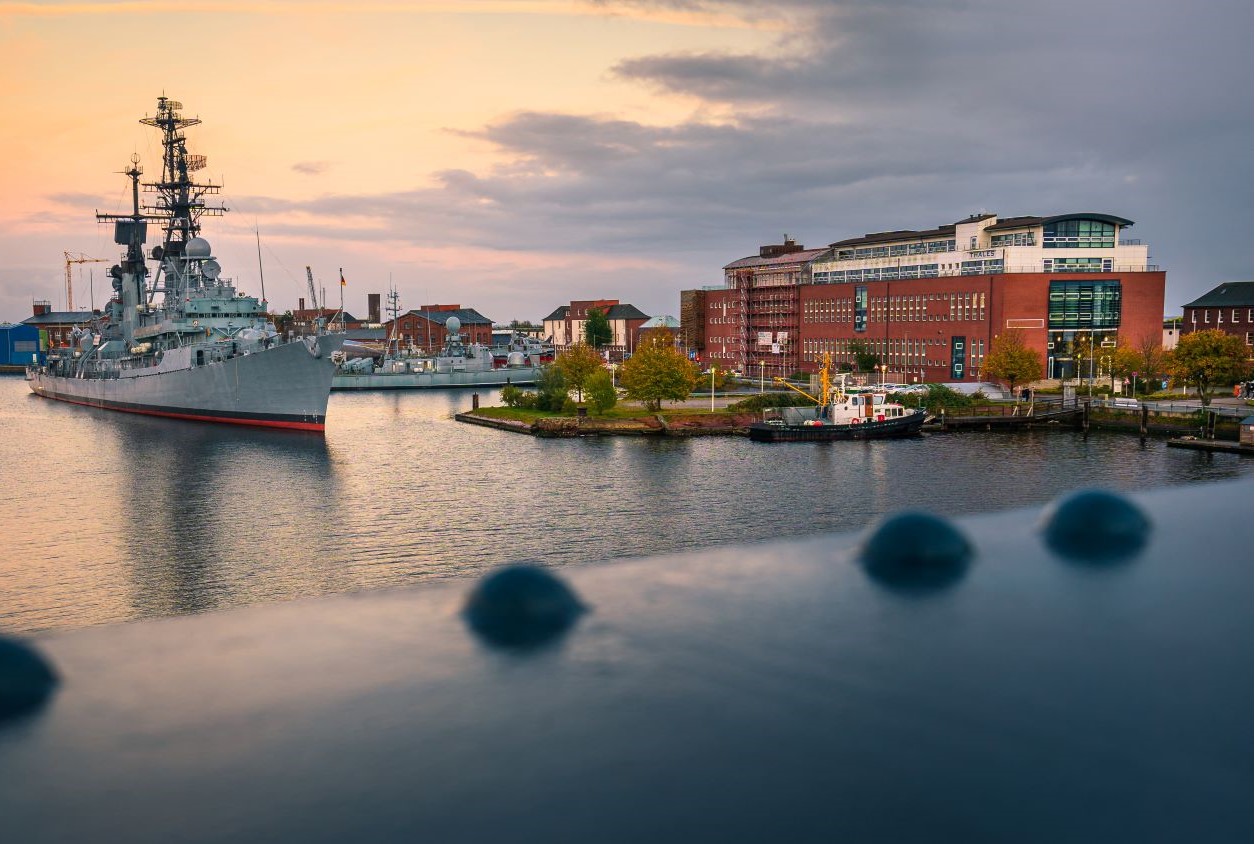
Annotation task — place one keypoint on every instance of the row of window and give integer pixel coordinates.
(920, 248)
(1077, 265)
(963, 307)
(1013, 239)
(1206, 320)
(904, 354)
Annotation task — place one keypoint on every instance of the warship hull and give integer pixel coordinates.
(433, 380)
(284, 386)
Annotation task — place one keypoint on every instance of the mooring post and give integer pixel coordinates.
(1145, 417)
(474, 401)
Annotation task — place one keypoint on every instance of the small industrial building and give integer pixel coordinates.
(19, 345)
(54, 327)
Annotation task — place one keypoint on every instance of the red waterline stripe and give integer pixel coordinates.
(261, 423)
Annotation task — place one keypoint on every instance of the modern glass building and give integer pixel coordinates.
(928, 303)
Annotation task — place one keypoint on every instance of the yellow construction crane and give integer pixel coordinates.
(76, 258)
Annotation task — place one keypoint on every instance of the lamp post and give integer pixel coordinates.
(713, 370)
(1091, 363)
(762, 379)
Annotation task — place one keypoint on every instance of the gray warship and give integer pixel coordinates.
(184, 343)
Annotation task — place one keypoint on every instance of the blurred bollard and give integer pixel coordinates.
(26, 679)
(521, 606)
(1094, 525)
(915, 553)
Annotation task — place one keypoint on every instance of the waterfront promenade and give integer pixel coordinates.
(1022, 689)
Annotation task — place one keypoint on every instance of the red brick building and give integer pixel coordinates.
(423, 328)
(1227, 307)
(929, 303)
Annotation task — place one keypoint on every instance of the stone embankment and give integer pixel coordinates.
(670, 425)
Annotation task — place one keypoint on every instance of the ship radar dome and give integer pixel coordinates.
(197, 247)
(452, 324)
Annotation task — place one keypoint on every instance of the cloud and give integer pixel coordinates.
(312, 168)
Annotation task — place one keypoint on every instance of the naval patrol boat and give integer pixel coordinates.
(177, 339)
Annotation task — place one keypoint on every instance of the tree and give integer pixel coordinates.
(601, 392)
(576, 364)
(1124, 360)
(864, 359)
(283, 322)
(1010, 361)
(1206, 359)
(1152, 360)
(597, 331)
(551, 389)
(658, 372)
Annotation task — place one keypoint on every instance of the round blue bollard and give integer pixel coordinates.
(1094, 525)
(915, 553)
(26, 679)
(521, 606)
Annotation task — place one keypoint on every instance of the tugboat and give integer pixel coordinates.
(203, 351)
(456, 365)
(837, 415)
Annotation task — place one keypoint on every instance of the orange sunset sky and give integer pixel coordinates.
(511, 156)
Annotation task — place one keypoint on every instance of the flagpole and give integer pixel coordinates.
(343, 323)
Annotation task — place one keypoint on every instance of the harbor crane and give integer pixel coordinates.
(76, 258)
(313, 291)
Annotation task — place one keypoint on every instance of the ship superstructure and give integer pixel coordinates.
(179, 340)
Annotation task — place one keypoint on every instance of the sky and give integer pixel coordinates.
(514, 155)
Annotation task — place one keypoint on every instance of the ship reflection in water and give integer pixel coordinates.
(112, 517)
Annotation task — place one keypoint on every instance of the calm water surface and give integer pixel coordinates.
(112, 517)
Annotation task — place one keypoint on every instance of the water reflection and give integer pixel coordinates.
(210, 511)
(127, 517)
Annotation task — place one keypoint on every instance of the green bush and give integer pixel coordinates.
(551, 390)
(766, 400)
(601, 392)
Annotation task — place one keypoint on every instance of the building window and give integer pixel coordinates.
(1076, 265)
(1078, 234)
(1077, 304)
(1013, 239)
(860, 308)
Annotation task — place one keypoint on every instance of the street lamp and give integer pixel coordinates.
(762, 379)
(713, 370)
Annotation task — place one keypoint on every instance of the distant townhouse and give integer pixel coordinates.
(929, 303)
(1228, 307)
(566, 325)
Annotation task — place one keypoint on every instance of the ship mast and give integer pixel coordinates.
(180, 201)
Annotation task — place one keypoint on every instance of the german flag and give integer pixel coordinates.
(342, 282)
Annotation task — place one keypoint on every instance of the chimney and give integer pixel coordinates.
(42, 306)
(372, 307)
(300, 304)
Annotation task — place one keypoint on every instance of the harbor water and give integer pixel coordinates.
(111, 517)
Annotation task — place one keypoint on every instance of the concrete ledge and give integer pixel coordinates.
(780, 692)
